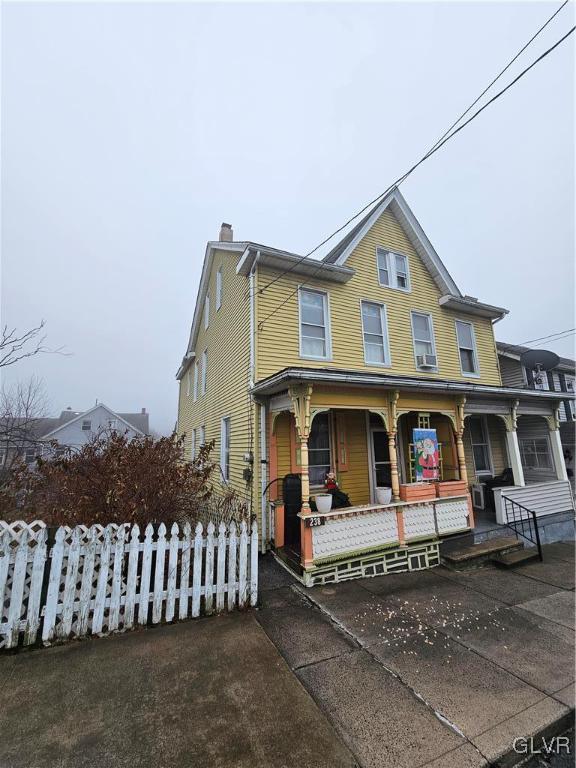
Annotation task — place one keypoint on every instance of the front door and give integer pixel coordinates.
(381, 475)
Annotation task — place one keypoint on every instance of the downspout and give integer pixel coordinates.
(263, 473)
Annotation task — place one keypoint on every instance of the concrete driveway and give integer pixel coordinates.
(208, 693)
(433, 668)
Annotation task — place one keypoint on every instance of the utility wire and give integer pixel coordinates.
(551, 341)
(540, 338)
(429, 154)
(402, 178)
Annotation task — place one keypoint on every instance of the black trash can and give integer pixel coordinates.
(292, 495)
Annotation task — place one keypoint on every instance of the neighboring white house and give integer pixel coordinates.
(76, 428)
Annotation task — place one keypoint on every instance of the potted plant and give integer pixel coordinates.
(383, 495)
(323, 502)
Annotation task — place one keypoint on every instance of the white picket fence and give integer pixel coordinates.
(97, 580)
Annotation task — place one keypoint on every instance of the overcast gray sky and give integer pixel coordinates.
(129, 132)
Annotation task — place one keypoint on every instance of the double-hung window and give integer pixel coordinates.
(480, 445)
(195, 381)
(207, 310)
(319, 449)
(225, 448)
(201, 436)
(375, 331)
(219, 289)
(204, 371)
(424, 346)
(535, 453)
(393, 269)
(314, 324)
(467, 348)
(86, 425)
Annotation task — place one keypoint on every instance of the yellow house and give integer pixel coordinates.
(299, 368)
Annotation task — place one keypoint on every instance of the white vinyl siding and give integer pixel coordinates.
(204, 371)
(375, 333)
(467, 348)
(314, 325)
(393, 270)
(225, 448)
(207, 311)
(423, 340)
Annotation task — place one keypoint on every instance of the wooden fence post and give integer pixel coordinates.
(53, 586)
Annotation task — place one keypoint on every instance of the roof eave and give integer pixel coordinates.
(299, 265)
(461, 304)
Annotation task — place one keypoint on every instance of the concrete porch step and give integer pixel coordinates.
(515, 557)
(477, 554)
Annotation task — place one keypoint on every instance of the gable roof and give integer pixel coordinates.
(515, 351)
(65, 420)
(401, 210)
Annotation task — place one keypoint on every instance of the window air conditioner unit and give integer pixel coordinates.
(478, 495)
(426, 361)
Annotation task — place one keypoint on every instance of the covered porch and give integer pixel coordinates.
(365, 436)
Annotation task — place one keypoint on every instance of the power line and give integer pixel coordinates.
(433, 151)
(540, 338)
(551, 341)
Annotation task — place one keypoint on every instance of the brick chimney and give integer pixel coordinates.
(143, 410)
(226, 233)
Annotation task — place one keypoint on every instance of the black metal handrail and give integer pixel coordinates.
(521, 522)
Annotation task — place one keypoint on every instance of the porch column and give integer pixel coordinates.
(395, 478)
(462, 471)
(513, 447)
(514, 456)
(556, 443)
(301, 395)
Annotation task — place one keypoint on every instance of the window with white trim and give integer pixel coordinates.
(201, 436)
(423, 338)
(393, 271)
(375, 333)
(204, 371)
(314, 324)
(535, 453)
(86, 425)
(188, 380)
(480, 445)
(219, 289)
(467, 348)
(225, 448)
(319, 449)
(193, 445)
(207, 310)
(195, 381)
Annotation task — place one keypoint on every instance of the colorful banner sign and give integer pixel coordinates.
(426, 454)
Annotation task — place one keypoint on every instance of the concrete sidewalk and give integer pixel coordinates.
(208, 693)
(433, 668)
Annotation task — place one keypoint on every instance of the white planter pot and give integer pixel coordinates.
(383, 495)
(323, 502)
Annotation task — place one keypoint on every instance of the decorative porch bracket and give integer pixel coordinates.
(460, 416)
(511, 422)
(392, 431)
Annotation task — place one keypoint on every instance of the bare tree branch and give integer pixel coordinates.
(15, 346)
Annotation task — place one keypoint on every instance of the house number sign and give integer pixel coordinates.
(313, 521)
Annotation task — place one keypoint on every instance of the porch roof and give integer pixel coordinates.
(280, 381)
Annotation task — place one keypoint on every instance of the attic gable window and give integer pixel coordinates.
(314, 324)
(393, 270)
(86, 425)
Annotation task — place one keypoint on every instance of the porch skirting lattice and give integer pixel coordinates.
(412, 557)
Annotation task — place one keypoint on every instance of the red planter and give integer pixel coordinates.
(451, 488)
(417, 492)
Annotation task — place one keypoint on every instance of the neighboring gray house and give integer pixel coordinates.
(533, 437)
(72, 429)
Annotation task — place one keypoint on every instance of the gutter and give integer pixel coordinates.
(391, 382)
